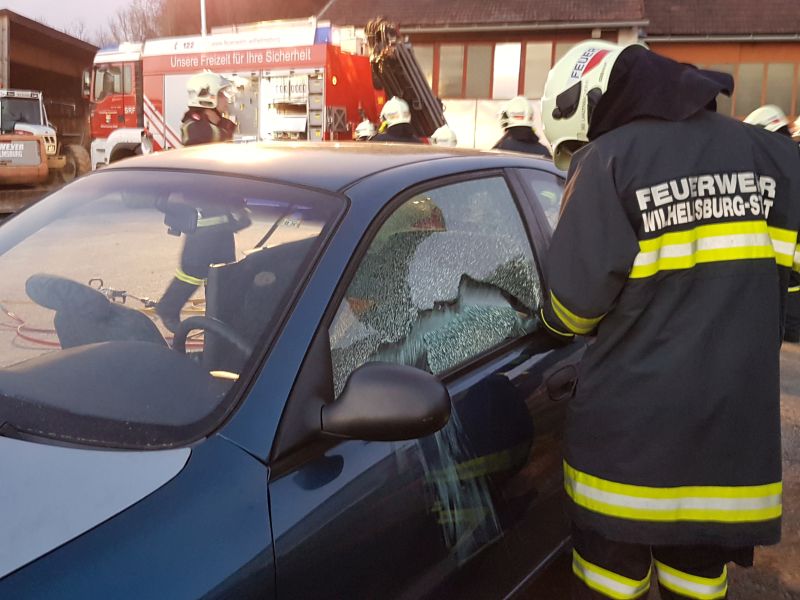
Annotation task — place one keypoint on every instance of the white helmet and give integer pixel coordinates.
(517, 112)
(396, 111)
(444, 136)
(365, 130)
(769, 116)
(573, 88)
(204, 87)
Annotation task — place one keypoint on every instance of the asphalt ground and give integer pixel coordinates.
(776, 574)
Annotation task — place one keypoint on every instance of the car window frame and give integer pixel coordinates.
(389, 209)
(543, 234)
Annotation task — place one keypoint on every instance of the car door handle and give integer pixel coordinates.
(561, 384)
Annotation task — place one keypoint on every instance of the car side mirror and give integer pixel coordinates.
(387, 402)
(86, 84)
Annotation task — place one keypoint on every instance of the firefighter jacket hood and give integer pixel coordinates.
(522, 139)
(674, 247)
(645, 84)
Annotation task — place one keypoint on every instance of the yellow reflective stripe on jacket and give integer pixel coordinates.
(575, 323)
(796, 259)
(553, 329)
(724, 504)
(784, 242)
(186, 278)
(692, 586)
(607, 582)
(709, 243)
(211, 221)
(792, 290)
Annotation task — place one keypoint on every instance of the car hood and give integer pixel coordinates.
(52, 494)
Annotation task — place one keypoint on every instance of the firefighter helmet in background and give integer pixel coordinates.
(573, 88)
(444, 136)
(517, 112)
(365, 130)
(769, 116)
(204, 88)
(395, 111)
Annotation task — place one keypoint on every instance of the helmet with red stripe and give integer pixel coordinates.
(769, 116)
(574, 86)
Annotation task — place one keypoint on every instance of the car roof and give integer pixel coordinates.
(331, 166)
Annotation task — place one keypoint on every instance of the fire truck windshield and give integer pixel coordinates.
(111, 79)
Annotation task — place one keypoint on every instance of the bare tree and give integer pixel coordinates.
(142, 19)
(78, 29)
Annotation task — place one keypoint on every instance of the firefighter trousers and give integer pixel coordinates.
(604, 569)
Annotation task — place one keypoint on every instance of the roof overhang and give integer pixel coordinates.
(46, 31)
(506, 27)
(749, 37)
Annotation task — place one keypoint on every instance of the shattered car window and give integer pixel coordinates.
(448, 276)
(132, 302)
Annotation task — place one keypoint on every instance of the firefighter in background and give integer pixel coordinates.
(516, 119)
(211, 240)
(396, 117)
(772, 118)
(364, 131)
(673, 249)
(204, 122)
(444, 136)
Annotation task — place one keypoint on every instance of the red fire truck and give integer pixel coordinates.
(296, 80)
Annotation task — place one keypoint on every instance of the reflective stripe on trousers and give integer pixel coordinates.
(603, 583)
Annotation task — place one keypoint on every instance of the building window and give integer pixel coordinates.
(748, 88)
(424, 55)
(780, 79)
(451, 70)
(724, 103)
(561, 49)
(479, 70)
(537, 65)
(505, 83)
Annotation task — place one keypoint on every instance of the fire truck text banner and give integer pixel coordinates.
(234, 60)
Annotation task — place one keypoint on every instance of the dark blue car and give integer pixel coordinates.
(356, 400)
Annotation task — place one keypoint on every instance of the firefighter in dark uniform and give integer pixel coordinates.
(676, 239)
(772, 118)
(396, 123)
(516, 119)
(212, 240)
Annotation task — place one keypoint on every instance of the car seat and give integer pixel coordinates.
(249, 296)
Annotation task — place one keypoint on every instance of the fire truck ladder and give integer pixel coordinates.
(396, 70)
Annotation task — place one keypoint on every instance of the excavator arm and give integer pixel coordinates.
(395, 69)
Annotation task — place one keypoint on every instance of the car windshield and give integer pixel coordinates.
(135, 303)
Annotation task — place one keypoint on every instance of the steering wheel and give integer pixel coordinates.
(214, 326)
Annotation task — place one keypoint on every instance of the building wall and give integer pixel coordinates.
(494, 66)
(764, 72)
(475, 73)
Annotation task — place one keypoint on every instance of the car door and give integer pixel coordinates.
(448, 283)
